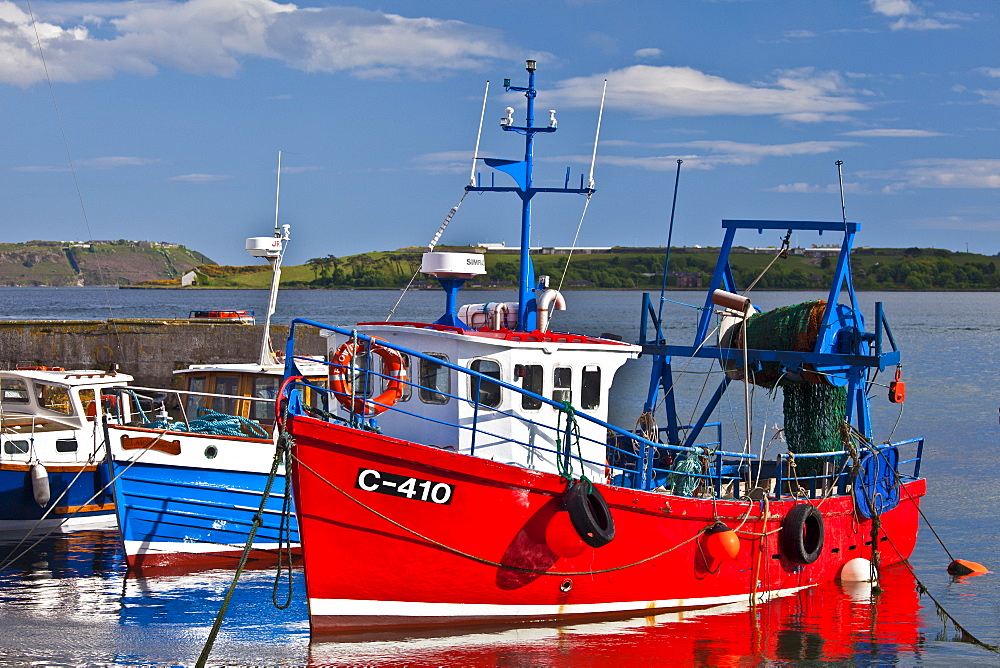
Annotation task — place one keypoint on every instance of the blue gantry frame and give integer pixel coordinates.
(843, 349)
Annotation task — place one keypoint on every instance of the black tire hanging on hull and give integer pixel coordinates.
(589, 513)
(801, 536)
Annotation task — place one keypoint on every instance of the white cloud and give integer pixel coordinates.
(893, 7)
(809, 188)
(987, 96)
(109, 162)
(648, 54)
(742, 153)
(707, 154)
(942, 173)
(921, 23)
(200, 178)
(84, 40)
(803, 95)
(446, 162)
(41, 168)
(912, 17)
(798, 34)
(300, 169)
(990, 71)
(892, 132)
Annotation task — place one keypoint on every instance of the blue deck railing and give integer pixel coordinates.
(631, 460)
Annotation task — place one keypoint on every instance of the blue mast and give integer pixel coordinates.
(521, 172)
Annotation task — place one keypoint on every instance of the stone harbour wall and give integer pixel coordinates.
(149, 350)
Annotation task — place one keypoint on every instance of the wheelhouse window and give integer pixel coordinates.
(88, 400)
(435, 380)
(489, 392)
(54, 398)
(264, 387)
(14, 391)
(229, 385)
(562, 382)
(531, 377)
(193, 401)
(590, 392)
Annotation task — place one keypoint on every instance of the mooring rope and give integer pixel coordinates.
(565, 440)
(967, 636)
(490, 562)
(280, 456)
(10, 560)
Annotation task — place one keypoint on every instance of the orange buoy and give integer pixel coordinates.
(722, 542)
(562, 537)
(964, 567)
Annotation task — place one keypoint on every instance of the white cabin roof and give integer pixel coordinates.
(71, 377)
(307, 368)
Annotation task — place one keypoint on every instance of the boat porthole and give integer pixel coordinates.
(211, 452)
(565, 586)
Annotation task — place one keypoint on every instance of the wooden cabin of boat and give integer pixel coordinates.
(231, 389)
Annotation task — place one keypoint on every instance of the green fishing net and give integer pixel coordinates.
(814, 410)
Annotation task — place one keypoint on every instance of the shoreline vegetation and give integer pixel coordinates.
(153, 265)
(911, 269)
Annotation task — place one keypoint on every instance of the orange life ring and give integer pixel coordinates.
(393, 369)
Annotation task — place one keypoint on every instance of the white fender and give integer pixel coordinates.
(40, 484)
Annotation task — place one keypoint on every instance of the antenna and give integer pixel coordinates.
(277, 197)
(271, 249)
(475, 153)
(593, 158)
(840, 177)
(670, 238)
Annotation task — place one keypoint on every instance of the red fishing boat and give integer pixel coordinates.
(470, 474)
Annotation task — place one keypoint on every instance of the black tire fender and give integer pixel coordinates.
(801, 536)
(589, 513)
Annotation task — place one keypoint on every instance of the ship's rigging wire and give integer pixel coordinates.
(72, 168)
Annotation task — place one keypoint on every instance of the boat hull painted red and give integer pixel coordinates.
(376, 557)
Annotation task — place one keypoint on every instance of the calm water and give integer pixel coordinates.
(69, 601)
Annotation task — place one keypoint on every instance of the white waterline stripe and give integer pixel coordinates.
(341, 607)
(134, 547)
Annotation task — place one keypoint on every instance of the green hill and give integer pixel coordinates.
(60, 263)
(642, 268)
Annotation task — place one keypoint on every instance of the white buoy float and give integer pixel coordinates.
(859, 570)
(40, 484)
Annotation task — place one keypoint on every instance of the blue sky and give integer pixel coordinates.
(174, 112)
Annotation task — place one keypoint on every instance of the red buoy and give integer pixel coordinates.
(562, 537)
(722, 542)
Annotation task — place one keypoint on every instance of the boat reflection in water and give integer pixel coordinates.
(79, 580)
(59, 595)
(834, 621)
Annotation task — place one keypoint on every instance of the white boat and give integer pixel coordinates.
(52, 450)
(188, 483)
